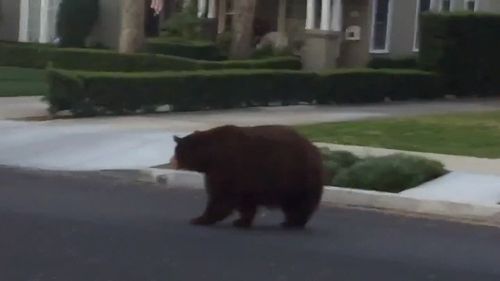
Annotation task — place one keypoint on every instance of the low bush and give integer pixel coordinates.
(393, 173)
(86, 93)
(194, 49)
(335, 161)
(398, 63)
(371, 85)
(39, 56)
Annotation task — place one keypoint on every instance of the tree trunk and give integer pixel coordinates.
(241, 45)
(132, 26)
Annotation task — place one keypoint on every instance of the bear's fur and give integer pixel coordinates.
(248, 167)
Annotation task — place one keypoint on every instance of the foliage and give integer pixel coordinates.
(335, 161)
(463, 49)
(75, 21)
(393, 173)
(370, 85)
(194, 49)
(184, 24)
(104, 93)
(40, 56)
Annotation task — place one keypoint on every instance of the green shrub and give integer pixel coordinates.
(398, 63)
(393, 173)
(269, 52)
(463, 49)
(100, 92)
(75, 20)
(336, 161)
(39, 56)
(184, 24)
(204, 50)
(370, 85)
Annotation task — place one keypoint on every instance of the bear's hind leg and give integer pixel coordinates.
(216, 210)
(247, 215)
(297, 213)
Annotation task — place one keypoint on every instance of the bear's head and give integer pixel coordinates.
(192, 152)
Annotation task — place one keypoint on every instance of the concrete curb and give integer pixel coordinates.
(345, 197)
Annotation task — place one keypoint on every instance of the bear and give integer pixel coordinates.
(245, 168)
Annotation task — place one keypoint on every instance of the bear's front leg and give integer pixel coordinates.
(216, 210)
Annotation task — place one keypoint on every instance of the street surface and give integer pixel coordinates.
(93, 227)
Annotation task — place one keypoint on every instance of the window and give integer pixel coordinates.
(470, 5)
(445, 5)
(422, 7)
(381, 21)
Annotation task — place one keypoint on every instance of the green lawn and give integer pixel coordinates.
(16, 81)
(472, 134)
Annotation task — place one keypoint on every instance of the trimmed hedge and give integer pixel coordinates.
(398, 63)
(370, 85)
(102, 92)
(284, 63)
(201, 50)
(464, 49)
(34, 56)
(86, 93)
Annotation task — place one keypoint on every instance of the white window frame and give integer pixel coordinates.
(441, 2)
(387, 31)
(417, 22)
(476, 5)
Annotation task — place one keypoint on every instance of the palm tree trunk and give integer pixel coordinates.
(132, 26)
(241, 45)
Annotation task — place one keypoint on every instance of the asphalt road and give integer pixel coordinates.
(88, 227)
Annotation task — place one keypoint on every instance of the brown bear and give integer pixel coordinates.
(248, 167)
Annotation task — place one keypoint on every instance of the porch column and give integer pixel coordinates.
(337, 14)
(212, 9)
(326, 9)
(221, 27)
(310, 14)
(202, 8)
(24, 12)
(282, 16)
(44, 22)
(434, 7)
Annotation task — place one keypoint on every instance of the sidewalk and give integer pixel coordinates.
(29, 107)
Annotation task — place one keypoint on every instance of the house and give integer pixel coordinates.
(327, 33)
(343, 33)
(35, 21)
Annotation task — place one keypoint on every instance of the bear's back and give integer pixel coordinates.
(265, 158)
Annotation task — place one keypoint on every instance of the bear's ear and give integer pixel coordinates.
(177, 139)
